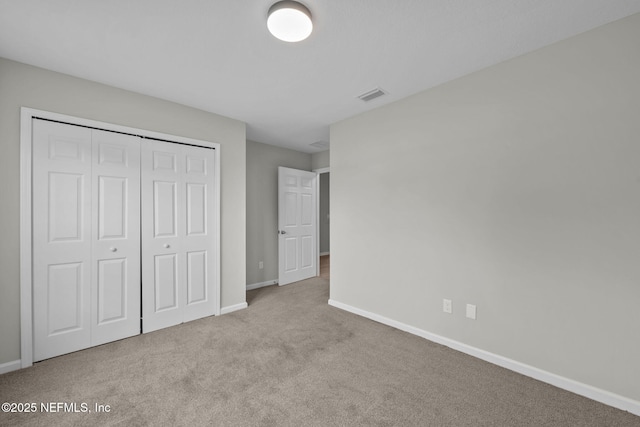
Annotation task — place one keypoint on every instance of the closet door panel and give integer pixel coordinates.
(116, 237)
(197, 279)
(199, 183)
(61, 238)
(165, 209)
(178, 247)
(163, 216)
(112, 290)
(165, 284)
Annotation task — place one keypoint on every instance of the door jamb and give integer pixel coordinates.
(26, 264)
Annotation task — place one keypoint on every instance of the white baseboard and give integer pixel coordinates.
(10, 366)
(232, 308)
(324, 253)
(261, 284)
(594, 393)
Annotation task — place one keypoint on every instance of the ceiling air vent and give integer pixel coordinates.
(320, 144)
(372, 94)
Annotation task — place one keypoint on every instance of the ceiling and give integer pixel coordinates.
(217, 55)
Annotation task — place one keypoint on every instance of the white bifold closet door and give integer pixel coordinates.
(177, 233)
(86, 237)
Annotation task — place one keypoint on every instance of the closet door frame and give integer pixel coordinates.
(27, 116)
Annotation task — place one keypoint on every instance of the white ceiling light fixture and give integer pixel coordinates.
(289, 21)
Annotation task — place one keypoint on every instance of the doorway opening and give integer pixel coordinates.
(324, 235)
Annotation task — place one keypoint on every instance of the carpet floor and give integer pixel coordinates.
(289, 360)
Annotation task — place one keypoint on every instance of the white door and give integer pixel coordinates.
(177, 234)
(297, 226)
(115, 311)
(198, 240)
(86, 241)
(61, 238)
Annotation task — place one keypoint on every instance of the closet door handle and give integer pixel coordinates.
(113, 249)
(166, 245)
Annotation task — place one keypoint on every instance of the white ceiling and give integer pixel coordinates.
(217, 55)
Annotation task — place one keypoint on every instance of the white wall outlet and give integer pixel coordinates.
(261, 265)
(471, 311)
(447, 306)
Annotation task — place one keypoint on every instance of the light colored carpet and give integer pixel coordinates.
(292, 360)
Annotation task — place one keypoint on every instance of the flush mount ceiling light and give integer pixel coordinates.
(289, 21)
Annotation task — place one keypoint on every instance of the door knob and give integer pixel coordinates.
(283, 232)
(113, 249)
(166, 245)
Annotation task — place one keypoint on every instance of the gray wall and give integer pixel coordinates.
(320, 160)
(323, 213)
(262, 206)
(516, 188)
(23, 85)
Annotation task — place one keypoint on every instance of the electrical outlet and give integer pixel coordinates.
(471, 311)
(447, 306)
(261, 265)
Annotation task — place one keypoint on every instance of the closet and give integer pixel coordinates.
(123, 235)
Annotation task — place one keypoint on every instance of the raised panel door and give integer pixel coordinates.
(163, 217)
(61, 238)
(115, 282)
(297, 228)
(198, 182)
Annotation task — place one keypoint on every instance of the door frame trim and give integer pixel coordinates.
(26, 213)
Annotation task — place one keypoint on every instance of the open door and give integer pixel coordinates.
(297, 225)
